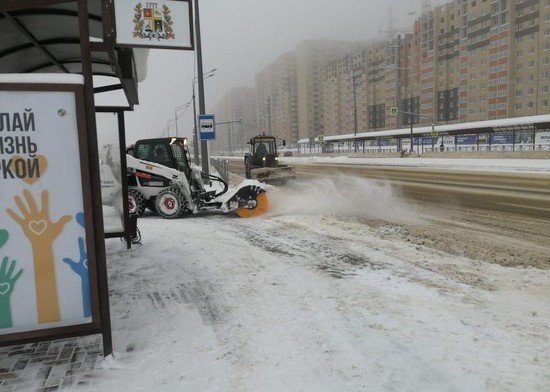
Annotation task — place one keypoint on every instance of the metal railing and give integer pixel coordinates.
(222, 167)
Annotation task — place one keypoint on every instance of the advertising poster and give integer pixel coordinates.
(44, 278)
(110, 172)
(462, 140)
(542, 138)
(502, 138)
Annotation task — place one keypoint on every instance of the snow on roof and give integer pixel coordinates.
(504, 122)
(48, 78)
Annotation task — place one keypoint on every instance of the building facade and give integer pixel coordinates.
(466, 60)
(238, 110)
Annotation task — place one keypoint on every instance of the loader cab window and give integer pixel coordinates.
(180, 155)
(154, 152)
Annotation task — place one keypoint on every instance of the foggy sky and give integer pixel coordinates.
(239, 38)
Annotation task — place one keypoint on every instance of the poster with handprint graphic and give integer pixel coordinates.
(44, 278)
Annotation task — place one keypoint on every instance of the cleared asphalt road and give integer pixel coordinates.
(497, 217)
(520, 193)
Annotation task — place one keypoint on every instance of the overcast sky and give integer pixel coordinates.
(239, 38)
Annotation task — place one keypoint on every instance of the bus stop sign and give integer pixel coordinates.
(207, 127)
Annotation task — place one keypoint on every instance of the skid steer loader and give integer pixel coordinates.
(262, 163)
(161, 178)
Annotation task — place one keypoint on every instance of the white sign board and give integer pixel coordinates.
(44, 279)
(542, 138)
(154, 24)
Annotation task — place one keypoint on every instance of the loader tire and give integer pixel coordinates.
(170, 203)
(136, 202)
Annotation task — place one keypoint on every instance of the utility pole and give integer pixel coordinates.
(229, 140)
(195, 131)
(353, 79)
(202, 104)
(269, 132)
(399, 80)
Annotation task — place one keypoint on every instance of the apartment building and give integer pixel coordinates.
(345, 94)
(530, 52)
(465, 60)
(237, 104)
(312, 58)
(277, 100)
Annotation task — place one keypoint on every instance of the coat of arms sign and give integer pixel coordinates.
(153, 22)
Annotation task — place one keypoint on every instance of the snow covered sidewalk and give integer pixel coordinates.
(317, 303)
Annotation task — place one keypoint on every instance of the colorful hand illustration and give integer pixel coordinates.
(81, 269)
(80, 219)
(41, 232)
(7, 284)
(4, 235)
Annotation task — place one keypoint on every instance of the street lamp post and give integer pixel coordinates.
(354, 77)
(176, 114)
(229, 123)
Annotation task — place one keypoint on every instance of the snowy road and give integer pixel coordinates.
(314, 301)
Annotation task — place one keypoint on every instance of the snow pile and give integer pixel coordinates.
(460, 164)
(343, 196)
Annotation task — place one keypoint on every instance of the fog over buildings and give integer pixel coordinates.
(240, 38)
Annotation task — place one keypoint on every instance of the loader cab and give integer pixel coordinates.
(170, 152)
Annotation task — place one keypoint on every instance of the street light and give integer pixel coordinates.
(411, 114)
(185, 106)
(354, 77)
(207, 75)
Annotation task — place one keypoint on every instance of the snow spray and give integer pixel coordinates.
(342, 196)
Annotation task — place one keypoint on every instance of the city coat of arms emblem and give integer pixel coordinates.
(153, 21)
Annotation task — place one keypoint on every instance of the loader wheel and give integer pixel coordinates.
(170, 203)
(136, 202)
(260, 207)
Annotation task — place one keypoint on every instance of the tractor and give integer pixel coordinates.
(262, 163)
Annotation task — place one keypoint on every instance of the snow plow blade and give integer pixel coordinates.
(248, 201)
(267, 174)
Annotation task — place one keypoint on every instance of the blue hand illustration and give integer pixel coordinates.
(80, 219)
(7, 284)
(81, 269)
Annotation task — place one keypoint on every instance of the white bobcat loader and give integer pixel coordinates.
(161, 178)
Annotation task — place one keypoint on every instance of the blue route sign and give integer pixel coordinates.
(207, 127)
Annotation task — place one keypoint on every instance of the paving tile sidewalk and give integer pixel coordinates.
(49, 366)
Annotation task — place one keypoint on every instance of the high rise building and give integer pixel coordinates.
(277, 102)
(466, 60)
(237, 104)
(312, 57)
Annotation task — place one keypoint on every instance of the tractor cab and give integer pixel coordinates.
(262, 162)
(263, 151)
(171, 152)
